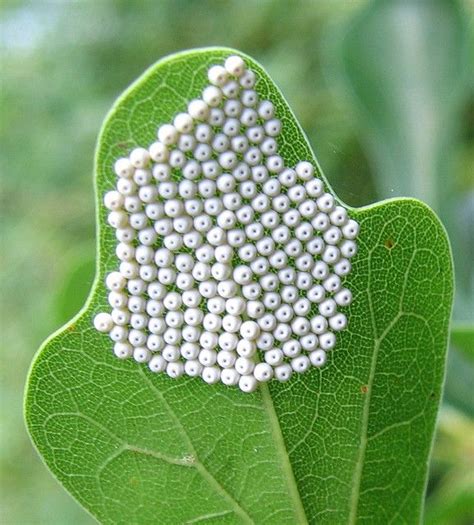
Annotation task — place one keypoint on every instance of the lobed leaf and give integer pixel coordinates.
(346, 443)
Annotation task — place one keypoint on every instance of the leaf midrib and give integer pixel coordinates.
(200, 467)
(282, 452)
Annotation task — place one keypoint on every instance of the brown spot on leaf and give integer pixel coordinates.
(364, 389)
(389, 243)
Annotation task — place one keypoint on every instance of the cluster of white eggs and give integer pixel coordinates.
(231, 264)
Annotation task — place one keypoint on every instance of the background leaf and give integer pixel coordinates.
(406, 66)
(346, 443)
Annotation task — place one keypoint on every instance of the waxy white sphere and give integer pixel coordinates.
(235, 65)
(231, 265)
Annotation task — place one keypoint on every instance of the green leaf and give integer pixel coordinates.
(462, 338)
(460, 369)
(409, 83)
(347, 443)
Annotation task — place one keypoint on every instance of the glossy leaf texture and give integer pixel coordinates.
(343, 444)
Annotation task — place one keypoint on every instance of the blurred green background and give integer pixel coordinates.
(383, 89)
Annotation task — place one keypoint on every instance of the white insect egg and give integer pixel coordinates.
(265, 340)
(126, 187)
(248, 383)
(139, 157)
(275, 164)
(314, 187)
(157, 364)
(348, 248)
(332, 283)
(325, 202)
(230, 376)
(118, 334)
(113, 200)
(316, 294)
(300, 364)
(158, 152)
(141, 354)
(216, 117)
(269, 146)
(228, 341)
(183, 123)
(283, 372)
(291, 348)
(272, 300)
(155, 342)
(308, 209)
(332, 235)
(287, 177)
(263, 372)
(217, 75)
(309, 342)
(226, 358)
(126, 234)
(232, 108)
(248, 78)
(193, 368)
(318, 358)
(204, 133)
(129, 269)
(255, 134)
(305, 171)
(328, 307)
(207, 357)
(350, 230)
(338, 322)
(266, 110)
(115, 281)
(123, 350)
(253, 156)
(249, 99)
(198, 109)
(331, 254)
(231, 127)
(228, 160)
(177, 159)
(320, 222)
(343, 297)
(186, 143)
(235, 65)
(124, 168)
(282, 332)
(175, 369)
(327, 340)
(203, 152)
(274, 357)
(222, 270)
(212, 96)
(103, 322)
(231, 89)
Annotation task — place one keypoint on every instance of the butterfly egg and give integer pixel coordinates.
(230, 376)
(139, 158)
(123, 350)
(103, 322)
(235, 65)
(198, 109)
(224, 253)
(217, 75)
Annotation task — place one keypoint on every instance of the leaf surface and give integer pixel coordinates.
(343, 444)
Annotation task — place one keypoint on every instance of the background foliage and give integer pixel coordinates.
(63, 63)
